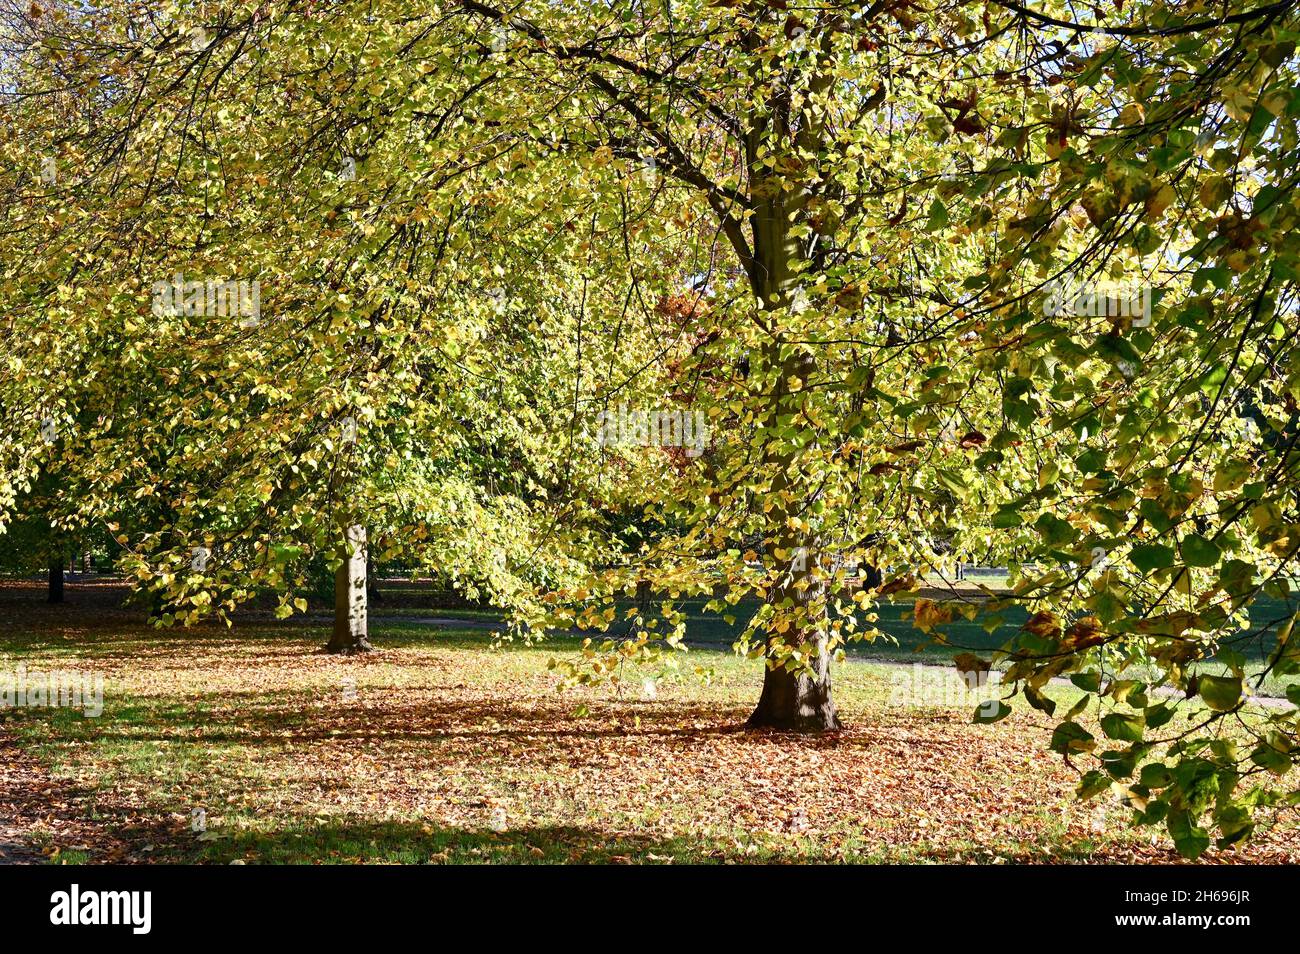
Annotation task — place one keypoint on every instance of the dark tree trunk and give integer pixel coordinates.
(797, 703)
(350, 612)
(373, 593)
(56, 579)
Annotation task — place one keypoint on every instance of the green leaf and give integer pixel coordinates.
(1151, 556)
(1268, 757)
(1126, 727)
(1155, 515)
(1221, 693)
(1198, 551)
(1006, 519)
(1092, 783)
(989, 712)
(1091, 461)
(1055, 531)
(938, 216)
(1236, 824)
(1275, 54)
(1285, 658)
(953, 481)
(1039, 701)
(1155, 775)
(1158, 715)
(1070, 737)
(1190, 840)
(1088, 681)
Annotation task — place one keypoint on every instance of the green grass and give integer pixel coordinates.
(900, 641)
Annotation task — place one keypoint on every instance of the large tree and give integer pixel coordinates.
(901, 188)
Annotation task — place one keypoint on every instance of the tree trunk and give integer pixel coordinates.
(56, 579)
(789, 701)
(373, 593)
(350, 617)
(797, 703)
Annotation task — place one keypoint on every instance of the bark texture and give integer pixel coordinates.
(351, 617)
(797, 703)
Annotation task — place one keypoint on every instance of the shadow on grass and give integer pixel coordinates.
(393, 842)
(414, 843)
(276, 720)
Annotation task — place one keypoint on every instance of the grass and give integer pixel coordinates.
(900, 641)
(442, 748)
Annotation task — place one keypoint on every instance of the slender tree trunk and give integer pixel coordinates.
(56, 579)
(350, 611)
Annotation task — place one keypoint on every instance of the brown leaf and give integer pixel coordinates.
(969, 662)
(1043, 623)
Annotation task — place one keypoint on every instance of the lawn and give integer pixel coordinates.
(900, 641)
(249, 745)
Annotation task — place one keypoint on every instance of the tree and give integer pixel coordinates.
(258, 377)
(899, 186)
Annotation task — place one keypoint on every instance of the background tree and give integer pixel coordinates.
(380, 383)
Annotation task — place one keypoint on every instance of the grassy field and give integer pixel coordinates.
(250, 745)
(900, 641)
